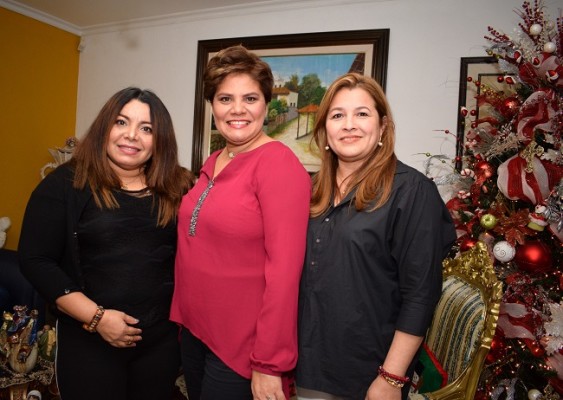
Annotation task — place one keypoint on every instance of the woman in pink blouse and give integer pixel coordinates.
(241, 244)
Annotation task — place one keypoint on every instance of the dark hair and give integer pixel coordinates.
(237, 60)
(374, 178)
(164, 175)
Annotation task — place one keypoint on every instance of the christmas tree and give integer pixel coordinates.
(508, 194)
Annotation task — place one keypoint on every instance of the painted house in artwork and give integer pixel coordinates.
(290, 97)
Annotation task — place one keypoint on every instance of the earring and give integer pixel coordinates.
(327, 148)
(380, 144)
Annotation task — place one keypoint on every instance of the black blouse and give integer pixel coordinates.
(127, 261)
(366, 275)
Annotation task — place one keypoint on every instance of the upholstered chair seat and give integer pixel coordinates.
(464, 323)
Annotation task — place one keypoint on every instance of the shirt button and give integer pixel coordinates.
(327, 219)
(318, 240)
(313, 263)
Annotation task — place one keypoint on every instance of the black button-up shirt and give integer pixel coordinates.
(366, 275)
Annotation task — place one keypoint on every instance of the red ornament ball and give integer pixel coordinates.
(534, 256)
(535, 348)
(509, 106)
(497, 351)
(500, 79)
(467, 243)
(483, 169)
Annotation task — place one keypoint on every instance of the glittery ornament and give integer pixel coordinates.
(484, 169)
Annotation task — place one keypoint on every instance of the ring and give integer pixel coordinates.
(268, 398)
(129, 343)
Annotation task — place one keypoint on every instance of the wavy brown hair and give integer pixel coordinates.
(237, 60)
(374, 178)
(164, 175)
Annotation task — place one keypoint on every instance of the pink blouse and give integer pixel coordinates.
(241, 244)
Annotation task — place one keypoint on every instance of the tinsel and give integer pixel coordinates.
(504, 386)
(554, 329)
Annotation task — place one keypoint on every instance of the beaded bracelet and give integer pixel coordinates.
(393, 380)
(91, 327)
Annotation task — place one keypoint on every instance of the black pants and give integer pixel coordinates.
(207, 377)
(88, 368)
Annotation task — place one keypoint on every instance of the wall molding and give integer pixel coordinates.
(41, 16)
(267, 6)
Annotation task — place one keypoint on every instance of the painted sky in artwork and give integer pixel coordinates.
(327, 66)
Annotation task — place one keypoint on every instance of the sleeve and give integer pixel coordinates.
(43, 236)
(284, 195)
(423, 236)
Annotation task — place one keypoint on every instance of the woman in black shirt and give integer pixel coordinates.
(98, 241)
(376, 240)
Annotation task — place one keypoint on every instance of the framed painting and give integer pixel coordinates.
(476, 75)
(303, 65)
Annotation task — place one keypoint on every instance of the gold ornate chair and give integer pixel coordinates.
(464, 322)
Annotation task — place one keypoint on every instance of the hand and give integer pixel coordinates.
(115, 328)
(266, 387)
(381, 390)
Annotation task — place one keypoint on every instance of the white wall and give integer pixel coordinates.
(427, 40)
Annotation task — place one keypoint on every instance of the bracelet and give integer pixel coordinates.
(91, 327)
(393, 380)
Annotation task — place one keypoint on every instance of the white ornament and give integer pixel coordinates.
(549, 47)
(504, 251)
(535, 29)
(534, 394)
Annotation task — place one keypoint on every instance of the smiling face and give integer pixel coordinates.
(130, 140)
(239, 109)
(353, 125)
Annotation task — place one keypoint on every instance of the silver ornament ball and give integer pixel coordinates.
(534, 394)
(549, 47)
(535, 29)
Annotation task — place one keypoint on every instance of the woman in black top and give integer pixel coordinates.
(98, 241)
(376, 239)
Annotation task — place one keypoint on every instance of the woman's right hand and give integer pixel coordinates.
(117, 329)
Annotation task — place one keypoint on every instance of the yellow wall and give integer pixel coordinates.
(38, 89)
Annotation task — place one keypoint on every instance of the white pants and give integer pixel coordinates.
(308, 394)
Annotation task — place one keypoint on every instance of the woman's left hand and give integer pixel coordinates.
(381, 390)
(266, 387)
